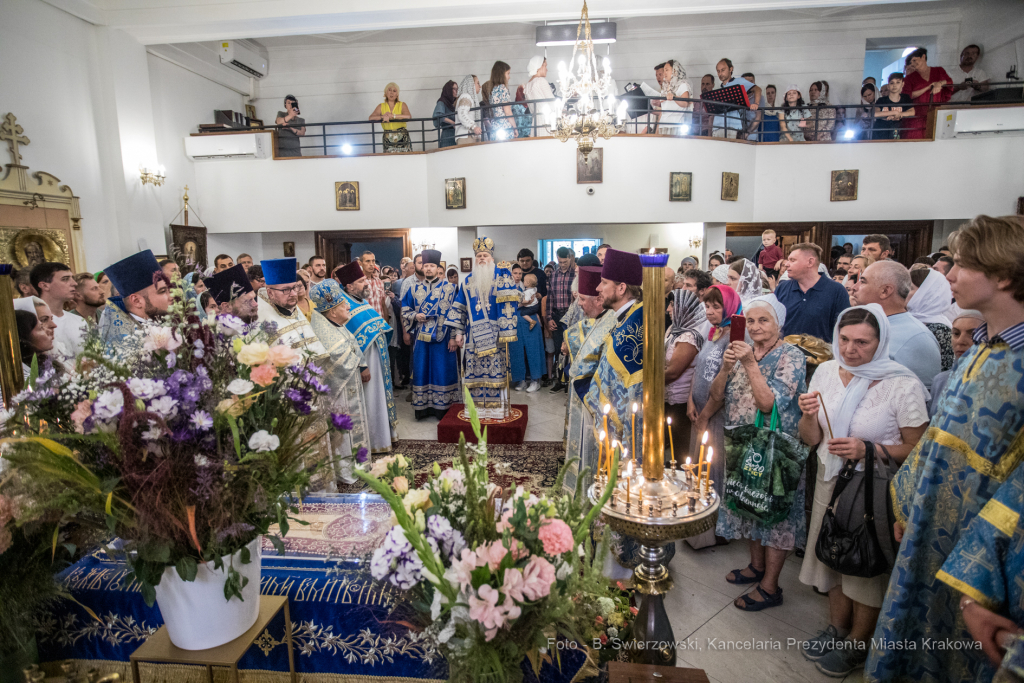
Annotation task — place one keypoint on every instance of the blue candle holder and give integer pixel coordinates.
(648, 260)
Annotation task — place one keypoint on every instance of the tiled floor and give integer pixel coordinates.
(700, 605)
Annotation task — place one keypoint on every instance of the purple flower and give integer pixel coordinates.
(315, 369)
(319, 386)
(236, 530)
(341, 422)
(362, 455)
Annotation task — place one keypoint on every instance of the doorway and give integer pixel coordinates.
(339, 247)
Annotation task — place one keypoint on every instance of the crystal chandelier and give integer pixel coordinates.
(586, 108)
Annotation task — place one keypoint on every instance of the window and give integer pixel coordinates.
(548, 248)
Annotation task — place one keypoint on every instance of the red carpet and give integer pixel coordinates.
(509, 431)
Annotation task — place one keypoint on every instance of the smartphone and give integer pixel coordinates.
(737, 328)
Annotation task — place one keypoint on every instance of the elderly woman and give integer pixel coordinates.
(928, 301)
(720, 304)
(393, 113)
(757, 377)
(683, 341)
(964, 325)
(866, 397)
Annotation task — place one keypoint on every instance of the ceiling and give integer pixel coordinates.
(177, 21)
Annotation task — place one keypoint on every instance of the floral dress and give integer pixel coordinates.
(784, 370)
(793, 118)
(499, 122)
(944, 336)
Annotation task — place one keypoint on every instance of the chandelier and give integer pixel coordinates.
(586, 108)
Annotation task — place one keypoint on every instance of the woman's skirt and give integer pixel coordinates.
(397, 141)
(527, 350)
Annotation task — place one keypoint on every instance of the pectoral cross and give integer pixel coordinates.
(508, 311)
(12, 133)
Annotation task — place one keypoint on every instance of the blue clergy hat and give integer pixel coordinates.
(279, 271)
(134, 273)
(326, 294)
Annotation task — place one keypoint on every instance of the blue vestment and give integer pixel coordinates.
(435, 369)
(368, 327)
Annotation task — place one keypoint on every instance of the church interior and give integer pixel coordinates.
(331, 353)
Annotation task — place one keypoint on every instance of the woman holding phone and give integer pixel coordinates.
(755, 377)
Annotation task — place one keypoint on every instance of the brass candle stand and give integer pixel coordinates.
(656, 506)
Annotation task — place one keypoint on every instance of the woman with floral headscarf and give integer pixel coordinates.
(823, 117)
(683, 340)
(674, 85)
(468, 128)
(444, 114)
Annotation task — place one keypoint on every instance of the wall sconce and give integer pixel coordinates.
(152, 175)
(695, 242)
(420, 248)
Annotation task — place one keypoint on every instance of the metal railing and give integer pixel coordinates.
(646, 116)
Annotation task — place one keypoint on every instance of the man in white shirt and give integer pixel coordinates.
(56, 286)
(911, 344)
(969, 78)
(317, 269)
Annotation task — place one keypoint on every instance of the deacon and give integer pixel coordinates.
(582, 346)
(372, 333)
(233, 293)
(344, 371)
(143, 295)
(487, 304)
(435, 367)
(281, 306)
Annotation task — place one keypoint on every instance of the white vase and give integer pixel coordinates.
(195, 612)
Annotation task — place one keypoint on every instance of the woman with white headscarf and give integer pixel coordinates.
(866, 397)
(538, 88)
(745, 278)
(675, 114)
(928, 301)
(721, 274)
(964, 324)
(754, 377)
(467, 128)
(683, 341)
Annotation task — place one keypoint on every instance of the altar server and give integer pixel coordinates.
(435, 367)
(143, 295)
(372, 333)
(344, 371)
(485, 316)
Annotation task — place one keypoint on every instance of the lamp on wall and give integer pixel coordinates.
(152, 175)
(421, 247)
(695, 242)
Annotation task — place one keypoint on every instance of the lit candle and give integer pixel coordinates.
(700, 459)
(632, 426)
(607, 409)
(640, 490)
(671, 446)
(707, 469)
(600, 454)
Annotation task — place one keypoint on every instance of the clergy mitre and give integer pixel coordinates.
(483, 244)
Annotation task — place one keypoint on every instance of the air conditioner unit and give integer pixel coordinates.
(245, 57)
(235, 146)
(980, 121)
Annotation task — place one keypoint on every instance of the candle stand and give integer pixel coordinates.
(656, 505)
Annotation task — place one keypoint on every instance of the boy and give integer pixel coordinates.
(530, 305)
(771, 255)
(899, 106)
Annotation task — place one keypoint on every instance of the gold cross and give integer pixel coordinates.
(508, 311)
(976, 558)
(12, 133)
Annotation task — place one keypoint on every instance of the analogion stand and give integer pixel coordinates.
(158, 648)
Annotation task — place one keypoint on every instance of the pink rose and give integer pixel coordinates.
(556, 537)
(263, 375)
(401, 485)
(538, 577)
(282, 356)
(513, 585)
(82, 412)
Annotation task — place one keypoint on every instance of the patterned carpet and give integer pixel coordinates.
(532, 465)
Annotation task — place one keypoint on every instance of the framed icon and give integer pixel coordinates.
(346, 195)
(591, 169)
(466, 265)
(844, 186)
(455, 193)
(730, 186)
(289, 249)
(680, 186)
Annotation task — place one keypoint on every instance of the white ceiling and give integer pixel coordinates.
(177, 21)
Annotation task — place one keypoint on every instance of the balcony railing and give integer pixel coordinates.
(820, 123)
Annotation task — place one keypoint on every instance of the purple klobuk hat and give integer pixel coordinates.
(622, 266)
(590, 278)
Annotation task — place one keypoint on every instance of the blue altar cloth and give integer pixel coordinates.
(343, 621)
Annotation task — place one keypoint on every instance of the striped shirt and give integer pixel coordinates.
(1012, 336)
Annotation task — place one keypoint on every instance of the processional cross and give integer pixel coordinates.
(12, 133)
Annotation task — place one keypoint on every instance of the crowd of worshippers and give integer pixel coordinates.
(505, 107)
(919, 372)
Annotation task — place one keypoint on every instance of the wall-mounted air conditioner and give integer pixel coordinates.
(980, 121)
(235, 146)
(245, 57)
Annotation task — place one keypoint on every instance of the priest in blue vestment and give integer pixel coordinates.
(484, 315)
(143, 294)
(372, 333)
(425, 308)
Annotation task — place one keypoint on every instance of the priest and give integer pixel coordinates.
(583, 344)
(485, 317)
(425, 307)
(143, 296)
(279, 304)
(344, 371)
(233, 293)
(372, 333)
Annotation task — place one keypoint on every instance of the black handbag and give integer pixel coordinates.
(856, 537)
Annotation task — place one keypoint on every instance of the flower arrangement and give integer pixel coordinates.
(498, 573)
(186, 449)
(610, 623)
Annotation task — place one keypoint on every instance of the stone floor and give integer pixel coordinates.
(700, 605)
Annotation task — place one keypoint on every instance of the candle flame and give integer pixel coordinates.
(602, 436)
(629, 469)
(635, 407)
(688, 460)
(711, 451)
(651, 251)
(704, 439)
(668, 420)
(625, 451)
(640, 480)
(607, 408)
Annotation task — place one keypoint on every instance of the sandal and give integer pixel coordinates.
(741, 579)
(770, 600)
